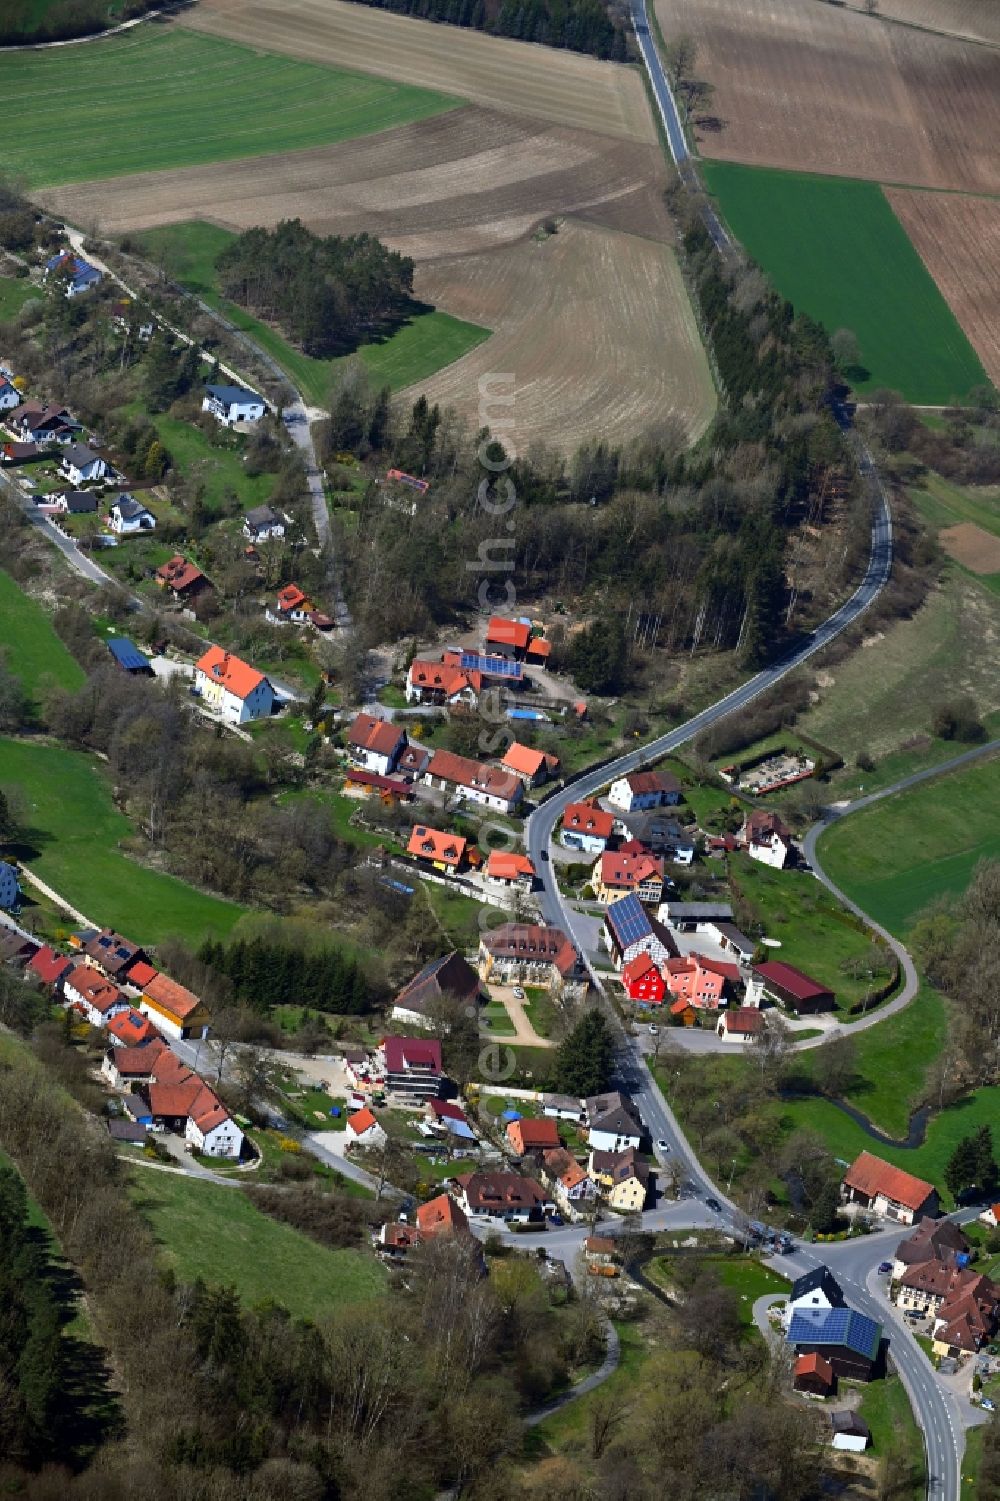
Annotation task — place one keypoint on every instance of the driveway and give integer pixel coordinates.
(520, 1019)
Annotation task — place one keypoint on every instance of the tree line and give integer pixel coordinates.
(264, 974)
(329, 293)
(590, 26)
(26, 21)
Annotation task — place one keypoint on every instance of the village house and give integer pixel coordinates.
(783, 985)
(375, 744)
(741, 1023)
(451, 975)
(74, 502)
(532, 766)
(991, 1216)
(888, 1191)
(115, 956)
(262, 523)
(81, 465)
(231, 688)
(507, 638)
(571, 1184)
(813, 1376)
(44, 424)
(611, 1169)
(600, 1251)
(130, 1029)
(629, 1188)
(474, 782)
(412, 1067)
(232, 404)
(815, 1289)
(184, 580)
(586, 827)
(292, 607)
(932, 1241)
(501, 1195)
(532, 1135)
(847, 1340)
(765, 838)
(443, 682)
(363, 1130)
(93, 995)
(128, 515)
(449, 1119)
(15, 948)
(617, 872)
(440, 1216)
(643, 981)
(629, 930)
(693, 979)
(10, 396)
(442, 851)
(682, 1012)
(529, 954)
(612, 1122)
(662, 835)
(49, 968)
(78, 274)
(173, 1009)
(413, 762)
(510, 871)
(642, 790)
(210, 1128)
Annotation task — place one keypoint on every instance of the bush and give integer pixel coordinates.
(958, 720)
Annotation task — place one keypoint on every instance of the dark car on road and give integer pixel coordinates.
(714, 1205)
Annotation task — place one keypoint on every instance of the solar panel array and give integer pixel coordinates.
(496, 667)
(835, 1326)
(629, 920)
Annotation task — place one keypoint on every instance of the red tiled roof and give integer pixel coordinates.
(524, 759)
(588, 818)
(175, 1099)
(48, 966)
(131, 1029)
(530, 1135)
(743, 1021)
(503, 632)
(402, 1053)
(238, 678)
(140, 973)
(178, 574)
(539, 647)
(208, 1111)
(168, 996)
(93, 987)
(620, 868)
(680, 1006)
(506, 867)
(870, 1175)
(137, 1062)
(468, 773)
(168, 1068)
(371, 734)
(441, 677)
(814, 1364)
(441, 1216)
(653, 781)
(798, 984)
(361, 1121)
(636, 968)
(432, 844)
(530, 941)
(290, 597)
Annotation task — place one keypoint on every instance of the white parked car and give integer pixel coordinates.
(518, 993)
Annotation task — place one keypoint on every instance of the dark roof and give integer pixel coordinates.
(931, 1239)
(262, 516)
(78, 502)
(80, 455)
(836, 1326)
(450, 975)
(230, 394)
(128, 655)
(128, 507)
(849, 1422)
(127, 1131)
(820, 1279)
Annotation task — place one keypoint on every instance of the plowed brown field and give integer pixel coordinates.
(958, 240)
(516, 77)
(818, 88)
(594, 328)
(979, 20)
(462, 181)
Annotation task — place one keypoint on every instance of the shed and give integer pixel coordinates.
(129, 658)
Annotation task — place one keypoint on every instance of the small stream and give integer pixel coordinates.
(914, 1138)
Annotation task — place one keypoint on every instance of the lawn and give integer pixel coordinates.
(33, 650)
(154, 99)
(221, 468)
(885, 1407)
(898, 855)
(836, 250)
(808, 923)
(565, 1432)
(214, 1232)
(750, 1281)
(460, 919)
(72, 837)
(426, 343)
(14, 293)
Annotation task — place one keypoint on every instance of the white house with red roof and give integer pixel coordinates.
(510, 870)
(888, 1191)
(586, 826)
(531, 765)
(444, 682)
(642, 790)
(231, 688)
(211, 1129)
(442, 850)
(617, 872)
(93, 995)
(412, 1067)
(376, 744)
(363, 1130)
(474, 781)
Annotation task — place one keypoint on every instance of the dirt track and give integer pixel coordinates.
(818, 88)
(972, 546)
(516, 77)
(958, 240)
(595, 328)
(460, 182)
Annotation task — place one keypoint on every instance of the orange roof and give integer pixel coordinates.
(371, 734)
(523, 759)
(432, 844)
(176, 1000)
(573, 1175)
(503, 632)
(168, 1068)
(361, 1121)
(93, 987)
(504, 867)
(179, 574)
(588, 818)
(442, 676)
(133, 1028)
(629, 871)
(680, 1006)
(291, 596)
(207, 1110)
(237, 677)
(441, 1216)
(814, 1364)
(539, 647)
(871, 1175)
(175, 1099)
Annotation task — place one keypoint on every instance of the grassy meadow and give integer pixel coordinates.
(157, 98)
(29, 644)
(834, 248)
(429, 341)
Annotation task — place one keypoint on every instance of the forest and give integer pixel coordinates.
(27, 21)
(327, 293)
(579, 25)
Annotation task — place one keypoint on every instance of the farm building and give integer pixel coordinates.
(888, 1191)
(784, 985)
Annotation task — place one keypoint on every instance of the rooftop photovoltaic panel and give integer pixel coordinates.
(497, 667)
(629, 919)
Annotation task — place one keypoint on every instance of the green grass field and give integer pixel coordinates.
(428, 342)
(221, 469)
(943, 505)
(836, 250)
(74, 828)
(33, 650)
(14, 293)
(153, 99)
(209, 1231)
(896, 856)
(885, 1407)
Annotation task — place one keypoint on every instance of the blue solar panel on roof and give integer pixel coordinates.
(498, 667)
(629, 919)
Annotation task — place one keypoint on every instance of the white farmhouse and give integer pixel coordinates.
(211, 1129)
(80, 464)
(232, 688)
(230, 404)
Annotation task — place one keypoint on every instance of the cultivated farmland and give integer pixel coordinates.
(819, 88)
(836, 250)
(595, 327)
(166, 98)
(977, 20)
(959, 242)
(516, 77)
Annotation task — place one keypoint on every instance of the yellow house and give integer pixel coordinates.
(172, 1008)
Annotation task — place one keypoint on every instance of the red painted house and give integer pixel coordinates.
(643, 981)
